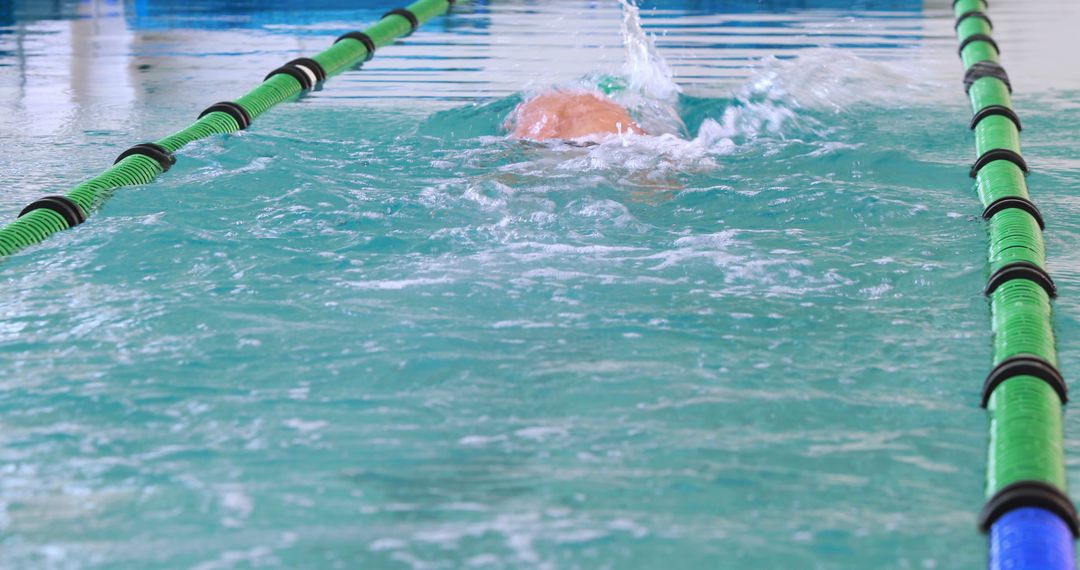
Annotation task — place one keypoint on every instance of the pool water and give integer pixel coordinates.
(372, 332)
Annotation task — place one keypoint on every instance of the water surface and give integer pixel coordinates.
(371, 332)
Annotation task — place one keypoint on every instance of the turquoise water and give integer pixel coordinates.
(371, 332)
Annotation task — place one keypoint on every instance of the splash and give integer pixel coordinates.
(764, 107)
(651, 93)
(647, 74)
(645, 85)
(764, 115)
(828, 79)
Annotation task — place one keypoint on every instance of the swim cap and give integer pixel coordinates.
(610, 85)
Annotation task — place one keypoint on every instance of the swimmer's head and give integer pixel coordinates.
(570, 115)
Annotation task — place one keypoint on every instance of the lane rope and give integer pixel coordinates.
(1031, 521)
(142, 163)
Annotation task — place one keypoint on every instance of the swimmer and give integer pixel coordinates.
(570, 115)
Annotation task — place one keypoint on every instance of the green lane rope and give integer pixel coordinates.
(1025, 414)
(1024, 393)
(57, 213)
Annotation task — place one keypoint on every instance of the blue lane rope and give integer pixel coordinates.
(1031, 539)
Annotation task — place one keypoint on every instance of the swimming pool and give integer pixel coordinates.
(370, 332)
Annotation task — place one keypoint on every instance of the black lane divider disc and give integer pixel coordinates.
(150, 150)
(238, 113)
(991, 110)
(66, 207)
(1025, 365)
(978, 38)
(1029, 494)
(315, 67)
(973, 14)
(408, 15)
(1021, 270)
(981, 69)
(1017, 202)
(369, 44)
(998, 154)
(306, 79)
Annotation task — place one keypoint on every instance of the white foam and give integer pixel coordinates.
(396, 284)
(303, 426)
